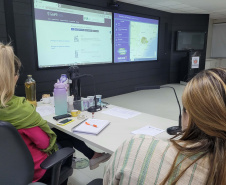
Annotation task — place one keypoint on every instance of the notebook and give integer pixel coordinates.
(91, 126)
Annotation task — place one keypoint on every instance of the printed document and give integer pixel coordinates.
(148, 130)
(91, 126)
(45, 110)
(121, 113)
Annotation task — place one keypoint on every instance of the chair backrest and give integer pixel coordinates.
(16, 163)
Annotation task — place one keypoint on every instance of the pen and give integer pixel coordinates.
(81, 122)
(90, 124)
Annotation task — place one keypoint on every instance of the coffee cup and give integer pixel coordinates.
(75, 113)
(51, 100)
(45, 100)
(45, 95)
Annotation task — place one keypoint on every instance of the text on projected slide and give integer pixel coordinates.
(69, 35)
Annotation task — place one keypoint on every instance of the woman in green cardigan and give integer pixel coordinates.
(23, 115)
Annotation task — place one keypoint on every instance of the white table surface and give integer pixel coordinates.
(118, 130)
(159, 102)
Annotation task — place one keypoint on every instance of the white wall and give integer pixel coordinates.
(213, 62)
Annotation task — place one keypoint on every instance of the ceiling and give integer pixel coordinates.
(216, 8)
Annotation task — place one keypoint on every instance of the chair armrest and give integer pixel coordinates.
(96, 182)
(36, 183)
(57, 157)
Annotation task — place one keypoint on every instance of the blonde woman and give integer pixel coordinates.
(197, 157)
(39, 138)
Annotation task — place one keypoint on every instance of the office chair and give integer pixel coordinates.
(16, 163)
(96, 182)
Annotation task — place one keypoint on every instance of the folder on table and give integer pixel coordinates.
(91, 126)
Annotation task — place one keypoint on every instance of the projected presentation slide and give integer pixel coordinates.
(69, 35)
(136, 38)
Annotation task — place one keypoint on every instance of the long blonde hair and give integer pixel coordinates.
(204, 99)
(9, 68)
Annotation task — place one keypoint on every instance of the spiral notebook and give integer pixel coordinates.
(91, 126)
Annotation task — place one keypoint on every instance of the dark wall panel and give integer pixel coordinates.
(186, 22)
(2, 6)
(3, 33)
(2, 30)
(111, 79)
(2, 18)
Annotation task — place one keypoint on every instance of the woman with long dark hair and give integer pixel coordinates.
(195, 157)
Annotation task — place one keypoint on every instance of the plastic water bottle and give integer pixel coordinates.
(30, 90)
(60, 98)
(63, 78)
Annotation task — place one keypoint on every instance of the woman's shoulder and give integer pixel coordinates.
(17, 110)
(146, 144)
(17, 100)
(19, 103)
(15, 104)
(140, 156)
(149, 139)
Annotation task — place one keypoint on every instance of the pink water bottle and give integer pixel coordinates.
(60, 98)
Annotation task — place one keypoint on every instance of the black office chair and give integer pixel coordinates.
(16, 163)
(96, 182)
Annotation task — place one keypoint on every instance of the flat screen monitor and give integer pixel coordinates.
(135, 38)
(190, 41)
(71, 35)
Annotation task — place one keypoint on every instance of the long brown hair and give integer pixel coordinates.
(204, 99)
(9, 68)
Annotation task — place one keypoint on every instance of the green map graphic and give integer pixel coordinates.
(141, 35)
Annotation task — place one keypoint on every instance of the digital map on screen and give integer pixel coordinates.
(136, 38)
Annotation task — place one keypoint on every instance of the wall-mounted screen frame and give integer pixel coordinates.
(190, 40)
(71, 35)
(135, 38)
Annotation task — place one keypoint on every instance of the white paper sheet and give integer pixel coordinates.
(88, 128)
(45, 110)
(148, 130)
(121, 113)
